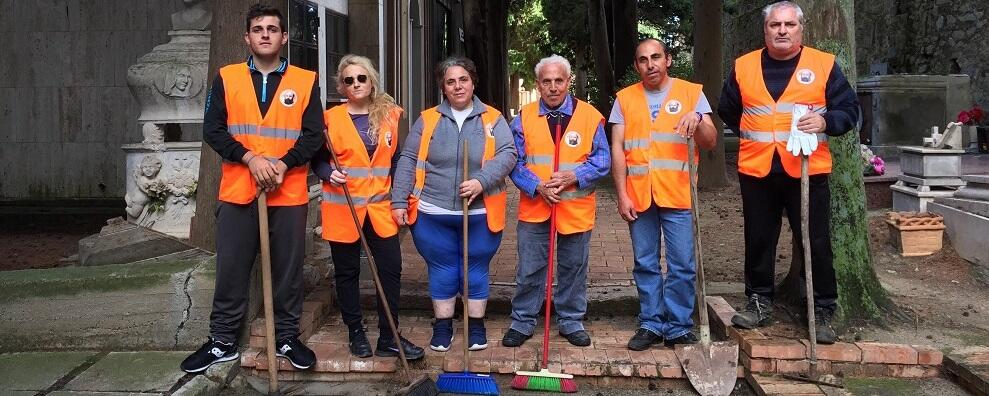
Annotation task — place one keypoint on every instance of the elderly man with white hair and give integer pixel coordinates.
(562, 152)
(760, 98)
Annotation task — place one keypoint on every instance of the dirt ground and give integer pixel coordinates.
(43, 241)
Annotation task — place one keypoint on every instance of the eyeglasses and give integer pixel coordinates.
(361, 78)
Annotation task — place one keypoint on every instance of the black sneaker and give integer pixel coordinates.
(359, 345)
(686, 338)
(213, 351)
(757, 313)
(296, 352)
(825, 332)
(514, 338)
(578, 338)
(477, 338)
(643, 339)
(387, 348)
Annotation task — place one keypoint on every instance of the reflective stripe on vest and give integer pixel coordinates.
(655, 156)
(765, 124)
(368, 177)
(575, 213)
(270, 136)
(495, 198)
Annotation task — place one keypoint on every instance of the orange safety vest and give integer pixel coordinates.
(656, 156)
(575, 212)
(270, 136)
(494, 199)
(368, 177)
(765, 125)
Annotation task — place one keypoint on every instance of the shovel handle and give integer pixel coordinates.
(808, 271)
(705, 327)
(269, 310)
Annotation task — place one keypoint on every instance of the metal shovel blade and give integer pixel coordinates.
(712, 369)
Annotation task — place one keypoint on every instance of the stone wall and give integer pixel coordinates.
(65, 108)
(926, 37)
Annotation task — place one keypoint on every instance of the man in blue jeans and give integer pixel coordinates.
(651, 125)
(563, 127)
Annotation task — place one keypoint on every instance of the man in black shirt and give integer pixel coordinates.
(757, 102)
(253, 122)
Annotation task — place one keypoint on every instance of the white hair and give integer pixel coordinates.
(783, 4)
(551, 60)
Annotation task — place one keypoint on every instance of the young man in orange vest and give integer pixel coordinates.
(757, 102)
(562, 130)
(263, 118)
(652, 121)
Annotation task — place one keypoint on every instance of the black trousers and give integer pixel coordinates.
(237, 247)
(764, 200)
(387, 254)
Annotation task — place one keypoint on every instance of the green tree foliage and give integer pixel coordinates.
(528, 38)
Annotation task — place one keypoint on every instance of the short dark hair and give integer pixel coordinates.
(263, 10)
(666, 49)
(452, 61)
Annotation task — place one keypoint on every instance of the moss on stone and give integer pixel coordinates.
(75, 280)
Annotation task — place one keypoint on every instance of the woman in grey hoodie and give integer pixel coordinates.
(429, 186)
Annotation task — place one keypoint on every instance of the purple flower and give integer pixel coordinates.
(878, 165)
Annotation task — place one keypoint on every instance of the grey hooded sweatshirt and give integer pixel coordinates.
(444, 162)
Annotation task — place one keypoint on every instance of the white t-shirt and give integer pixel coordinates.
(461, 115)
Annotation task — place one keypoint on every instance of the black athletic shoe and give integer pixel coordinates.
(213, 351)
(514, 338)
(643, 339)
(296, 352)
(359, 345)
(757, 313)
(825, 332)
(687, 338)
(387, 348)
(578, 338)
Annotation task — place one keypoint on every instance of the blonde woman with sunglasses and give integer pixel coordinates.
(363, 134)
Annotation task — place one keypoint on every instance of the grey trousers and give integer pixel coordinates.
(237, 247)
(570, 270)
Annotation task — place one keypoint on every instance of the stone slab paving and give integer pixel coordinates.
(148, 371)
(971, 367)
(36, 371)
(72, 393)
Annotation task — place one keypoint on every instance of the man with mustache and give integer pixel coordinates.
(758, 102)
(652, 121)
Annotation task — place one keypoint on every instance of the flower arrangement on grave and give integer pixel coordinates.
(872, 164)
(971, 116)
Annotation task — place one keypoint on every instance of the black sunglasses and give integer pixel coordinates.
(350, 80)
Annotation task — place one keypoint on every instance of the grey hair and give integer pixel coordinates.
(452, 61)
(549, 60)
(785, 4)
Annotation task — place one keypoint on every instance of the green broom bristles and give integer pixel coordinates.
(544, 381)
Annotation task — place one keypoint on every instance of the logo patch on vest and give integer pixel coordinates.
(805, 76)
(572, 138)
(388, 138)
(673, 107)
(489, 130)
(287, 98)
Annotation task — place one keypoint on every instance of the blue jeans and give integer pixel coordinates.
(439, 240)
(665, 303)
(570, 269)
